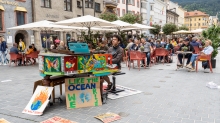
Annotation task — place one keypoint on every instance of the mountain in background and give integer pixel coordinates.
(211, 7)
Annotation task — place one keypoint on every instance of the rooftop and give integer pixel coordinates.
(195, 13)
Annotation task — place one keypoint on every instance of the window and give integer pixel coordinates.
(130, 12)
(194, 19)
(78, 15)
(194, 24)
(118, 1)
(89, 4)
(1, 20)
(97, 7)
(130, 2)
(20, 17)
(46, 3)
(68, 5)
(123, 12)
(79, 4)
(123, 1)
(118, 11)
(133, 2)
(138, 4)
(151, 7)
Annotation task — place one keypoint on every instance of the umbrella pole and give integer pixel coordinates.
(89, 33)
(46, 42)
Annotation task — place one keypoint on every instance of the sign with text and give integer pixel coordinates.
(82, 92)
(108, 117)
(57, 119)
(38, 101)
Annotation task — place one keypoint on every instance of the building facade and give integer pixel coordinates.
(15, 13)
(57, 10)
(196, 20)
(128, 6)
(144, 12)
(172, 17)
(157, 12)
(213, 20)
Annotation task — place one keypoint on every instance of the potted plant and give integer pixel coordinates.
(213, 34)
(184, 48)
(142, 48)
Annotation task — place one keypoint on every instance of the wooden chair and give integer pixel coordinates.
(14, 57)
(137, 55)
(161, 52)
(33, 55)
(204, 58)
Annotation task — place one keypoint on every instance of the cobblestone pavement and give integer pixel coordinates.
(168, 96)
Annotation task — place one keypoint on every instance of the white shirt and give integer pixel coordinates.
(208, 50)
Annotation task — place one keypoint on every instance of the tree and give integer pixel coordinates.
(169, 28)
(109, 16)
(155, 31)
(183, 27)
(131, 18)
(213, 33)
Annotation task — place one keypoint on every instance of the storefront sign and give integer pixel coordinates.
(82, 92)
(9, 3)
(52, 16)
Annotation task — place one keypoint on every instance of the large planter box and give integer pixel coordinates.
(213, 61)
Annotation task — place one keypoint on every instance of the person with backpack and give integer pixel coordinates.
(3, 48)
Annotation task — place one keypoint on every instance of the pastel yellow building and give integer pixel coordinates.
(196, 20)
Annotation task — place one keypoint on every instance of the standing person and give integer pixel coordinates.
(21, 45)
(173, 42)
(117, 54)
(61, 46)
(147, 50)
(3, 50)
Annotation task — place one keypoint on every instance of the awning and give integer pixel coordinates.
(22, 9)
(2, 8)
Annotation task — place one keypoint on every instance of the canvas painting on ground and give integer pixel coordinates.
(38, 101)
(2, 120)
(127, 92)
(57, 119)
(108, 117)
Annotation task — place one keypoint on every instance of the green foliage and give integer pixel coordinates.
(108, 16)
(211, 7)
(155, 31)
(183, 28)
(123, 36)
(213, 34)
(131, 18)
(169, 28)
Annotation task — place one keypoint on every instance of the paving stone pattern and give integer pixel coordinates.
(169, 96)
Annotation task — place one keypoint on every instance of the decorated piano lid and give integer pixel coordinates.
(53, 54)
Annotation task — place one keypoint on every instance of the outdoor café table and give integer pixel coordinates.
(184, 54)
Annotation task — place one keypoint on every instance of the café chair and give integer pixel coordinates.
(14, 57)
(204, 58)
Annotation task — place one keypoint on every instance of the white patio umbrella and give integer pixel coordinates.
(141, 27)
(85, 21)
(182, 32)
(39, 26)
(121, 25)
(197, 31)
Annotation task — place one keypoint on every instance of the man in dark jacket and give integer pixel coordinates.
(188, 55)
(194, 42)
(117, 54)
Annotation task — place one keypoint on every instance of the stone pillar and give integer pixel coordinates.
(64, 37)
(37, 40)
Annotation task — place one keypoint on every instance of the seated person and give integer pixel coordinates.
(173, 42)
(61, 46)
(188, 56)
(29, 50)
(15, 50)
(103, 46)
(35, 49)
(117, 53)
(158, 45)
(136, 45)
(206, 51)
(194, 42)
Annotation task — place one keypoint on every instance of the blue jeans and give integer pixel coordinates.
(193, 59)
(148, 58)
(3, 57)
